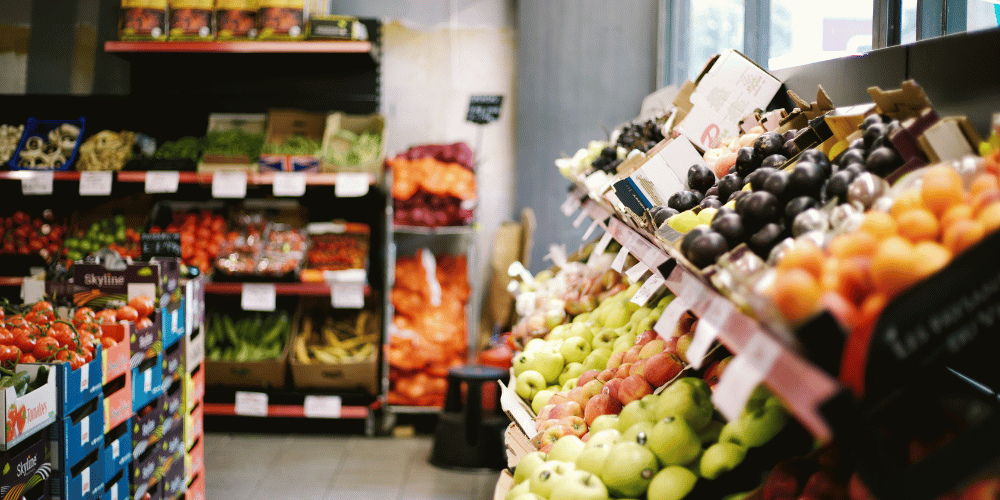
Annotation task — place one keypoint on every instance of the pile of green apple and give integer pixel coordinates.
(659, 447)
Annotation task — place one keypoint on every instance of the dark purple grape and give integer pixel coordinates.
(729, 184)
(745, 162)
(730, 226)
(706, 249)
(700, 178)
(774, 161)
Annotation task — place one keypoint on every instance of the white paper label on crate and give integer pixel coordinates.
(258, 297)
(579, 219)
(714, 318)
(95, 183)
(351, 184)
(147, 381)
(347, 294)
(322, 406)
(85, 481)
(115, 448)
(671, 314)
(32, 290)
(114, 492)
(619, 263)
(252, 404)
(162, 181)
(743, 374)
(36, 183)
(647, 290)
(572, 204)
(229, 184)
(635, 272)
(84, 430)
(85, 378)
(174, 318)
(599, 248)
(289, 183)
(510, 403)
(590, 230)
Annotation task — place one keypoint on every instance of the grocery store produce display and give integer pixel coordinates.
(433, 185)
(253, 338)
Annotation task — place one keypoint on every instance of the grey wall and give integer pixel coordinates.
(582, 64)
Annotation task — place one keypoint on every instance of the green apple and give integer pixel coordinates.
(519, 363)
(633, 413)
(628, 472)
(528, 464)
(665, 301)
(697, 383)
(604, 339)
(639, 433)
(738, 496)
(560, 332)
(597, 359)
(540, 399)
(584, 330)
(566, 448)
(618, 317)
(574, 349)
(570, 384)
(720, 458)
(570, 371)
(623, 342)
(528, 384)
(604, 436)
(671, 483)
(582, 318)
(640, 314)
(528, 496)
(547, 476)
(535, 345)
(592, 458)
(519, 490)
(685, 400)
(711, 432)
(602, 422)
(754, 429)
(579, 485)
(674, 442)
(546, 362)
(647, 323)
(631, 290)
(650, 401)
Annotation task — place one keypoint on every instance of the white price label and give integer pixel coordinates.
(85, 481)
(37, 183)
(619, 263)
(590, 230)
(572, 204)
(84, 430)
(636, 272)
(347, 294)
(175, 319)
(671, 314)
(253, 404)
(258, 297)
(114, 492)
(231, 184)
(714, 318)
(84, 378)
(351, 184)
(32, 290)
(743, 374)
(289, 183)
(579, 219)
(147, 381)
(647, 290)
(115, 448)
(95, 183)
(599, 248)
(162, 182)
(322, 406)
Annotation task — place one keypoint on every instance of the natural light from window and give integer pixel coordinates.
(803, 32)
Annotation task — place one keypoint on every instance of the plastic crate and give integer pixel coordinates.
(34, 127)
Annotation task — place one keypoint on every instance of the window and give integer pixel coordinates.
(982, 14)
(805, 32)
(715, 25)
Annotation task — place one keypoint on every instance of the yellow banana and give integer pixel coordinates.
(301, 353)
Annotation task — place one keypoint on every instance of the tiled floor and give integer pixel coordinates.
(245, 466)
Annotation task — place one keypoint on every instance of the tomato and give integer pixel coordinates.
(24, 340)
(16, 321)
(143, 323)
(28, 358)
(45, 347)
(6, 354)
(88, 340)
(76, 361)
(143, 305)
(15, 353)
(2, 314)
(127, 313)
(88, 355)
(64, 355)
(42, 305)
(106, 342)
(83, 315)
(107, 316)
(6, 338)
(31, 318)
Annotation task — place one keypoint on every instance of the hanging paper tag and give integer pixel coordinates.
(252, 404)
(599, 248)
(619, 263)
(572, 204)
(647, 290)
(635, 272)
(714, 318)
(229, 184)
(258, 297)
(289, 183)
(748, 369)
(557, 254)
(671, 315)
(579, 219)
(37, 183)
(95, 183)
(162, 181)
(351, 184)
(322, 406)
(32, 290)
(590, 230)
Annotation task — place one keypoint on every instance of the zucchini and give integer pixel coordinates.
(230, 330)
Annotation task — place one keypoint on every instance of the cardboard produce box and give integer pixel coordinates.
(81, 481)
(24, 463)
(284, 124)
(351, 374)
(118, 401)
(360, 156)
(268, 373)
(147, 381)
(247, 128)
(196, 488)
(117, 487)
(80, 433)
(117, 450)
(35, 410)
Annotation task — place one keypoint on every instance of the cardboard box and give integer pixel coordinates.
(516, 445)
(194, 304)
(194, 388)
(24, 464)
(504, 483)
(951, 138)
(115, 360)
(147, 381)
(196, 488)
(142, 474)
(173, 401)
(253, 374)
(194, 459)
(115, 288)
(172, 324)
(663, 173)
(76, 387)
(357, 124)
(146, 343)
(191, 20)
(118, 401)
(194, 346)
(280, 19)
(81, 481)
(171, 289)
(355, 375)
(285, 123)
(173, 482)
(117, 487)
(80, 433)
(194, 425)
(173, 444)
(729, 88)
(36, 409)
(143, 20)
(235, 19)
(147, 428)
(173, 364)
(248, 123)
(117, 451)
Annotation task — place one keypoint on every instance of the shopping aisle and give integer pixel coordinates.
(244, 466)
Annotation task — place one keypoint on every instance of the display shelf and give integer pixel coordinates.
(56, 175)
(413, 410)
(248, 47)
(442, 230)
(253, 178)
(11, 281)
(295, 411)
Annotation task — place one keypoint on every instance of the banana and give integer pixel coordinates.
(359, 341)
(301, 353)
(364, 352)
(329, 337)
(325, 357)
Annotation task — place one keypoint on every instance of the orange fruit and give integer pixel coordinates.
(990, 217)
(942, 188)
(906, 201)
(852, 244)
(894, 266)
(984, 182)
(880, 224)
(955, 214)
(983, 200)
(804, 255)
(933, 256)
(796, 294)
(918, 224)
(854, 281)
(963, 234)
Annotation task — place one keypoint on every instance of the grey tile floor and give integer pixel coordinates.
(252, 466)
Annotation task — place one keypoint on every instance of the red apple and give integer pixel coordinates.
(578, 396)
(567, 409)
(611, 387)
(545, 449)
(585, 437)
(823, 485)
(632, 354)
(615, 360)
(577, 424)
(559, 397)
(550, 435)
(662, 368)
(638, 368)
(546, 424)
(781, 483)
(604, 376)
(652, 347)
(623, 370)
(543, 414)
(858, 490)
(714, 371)
(586, 376)
(982, 489)
(633, 388)
(644, 337)
(592, 388)
(601, 404)
(683, 342)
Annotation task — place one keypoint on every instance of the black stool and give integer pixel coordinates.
(466, 437)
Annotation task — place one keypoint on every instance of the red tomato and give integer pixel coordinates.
(84, 315)
(45, 347)
(106, 342)
(88, 355)
(107, 317)
(5, 354)
(62, 333)
(16, 321)
(76, 361)
(31, 318)
(28, 358)
(2, 314)
(24, 340)
(127, 313)
(64, 355)
(42, 305)
(143, 305)
(143, 323)
(6, 338)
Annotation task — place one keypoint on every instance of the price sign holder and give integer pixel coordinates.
(164, 181)
(258, 297)
(322, 406)
(229, 184)
(36, 183)
(351, 184)
(95, 183)
(251, 404)
(289, 184)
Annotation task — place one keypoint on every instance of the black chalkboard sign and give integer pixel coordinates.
(484, 109)
(160, 245)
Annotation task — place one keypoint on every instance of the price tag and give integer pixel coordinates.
(147, 381)
(579, 219)
(289, 183)
(85, 481)
(714, 318)
(619, 263)
(37, 183)
(635, 272)
(599, 248)
(322, 406)
(671, 314)
(95, 183)
(32, 290)
(351, 184)
(229, 184)
(258, 297)
(253, 404)
(162, 182)
(115, 448)
(647, 290)
(572, 204)
(744, 373)
(347, 294)
(590, 230)
(85, 378)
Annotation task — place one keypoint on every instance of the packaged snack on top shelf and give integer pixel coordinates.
(280, 19)
(236, 19)
(143, 20)
(191, 20)
(334, 27)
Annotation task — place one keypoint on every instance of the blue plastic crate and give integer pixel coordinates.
(41, 128)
